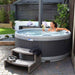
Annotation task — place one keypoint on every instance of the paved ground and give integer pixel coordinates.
(63, 67)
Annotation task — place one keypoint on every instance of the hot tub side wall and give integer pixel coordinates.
(48, 48)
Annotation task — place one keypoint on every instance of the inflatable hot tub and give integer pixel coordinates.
(53, 45)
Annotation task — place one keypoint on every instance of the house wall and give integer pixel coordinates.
(29, 12)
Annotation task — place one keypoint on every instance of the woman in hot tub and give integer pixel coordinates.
(53, 27)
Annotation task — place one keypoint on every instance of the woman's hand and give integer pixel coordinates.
(49, 29)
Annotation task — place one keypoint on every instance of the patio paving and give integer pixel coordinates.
(63, 67)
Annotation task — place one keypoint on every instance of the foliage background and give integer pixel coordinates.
(63, 16)
(6, 1)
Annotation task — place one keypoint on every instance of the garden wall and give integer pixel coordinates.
(5, 25)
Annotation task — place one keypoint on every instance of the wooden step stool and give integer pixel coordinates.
(30, 64)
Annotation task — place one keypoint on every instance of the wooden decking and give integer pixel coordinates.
(7, 43)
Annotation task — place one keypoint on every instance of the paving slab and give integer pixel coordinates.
(63, 67)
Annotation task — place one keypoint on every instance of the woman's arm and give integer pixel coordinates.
(49, 29)
(59, 29)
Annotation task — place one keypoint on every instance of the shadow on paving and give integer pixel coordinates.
(63, 67)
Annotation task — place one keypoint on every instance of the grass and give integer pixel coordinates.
(7, 31)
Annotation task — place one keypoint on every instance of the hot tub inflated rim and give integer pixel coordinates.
(41, 38)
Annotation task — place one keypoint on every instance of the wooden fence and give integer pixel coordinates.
(8, 24)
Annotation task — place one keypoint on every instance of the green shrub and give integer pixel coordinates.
(48, 20)
(3, 15)
(63, 16)
(23, 20)
(4, 1)
(12, 17)
(13, 36)
(1, 1)
(7, 36)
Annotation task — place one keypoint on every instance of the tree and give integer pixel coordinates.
(3, 15)
(6, 1)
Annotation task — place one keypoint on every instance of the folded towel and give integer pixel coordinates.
(36, 51)
(29, 23)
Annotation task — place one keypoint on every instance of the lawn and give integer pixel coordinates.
(7, 31)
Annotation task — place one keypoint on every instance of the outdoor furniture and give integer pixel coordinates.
(29, 24)
(31, 63)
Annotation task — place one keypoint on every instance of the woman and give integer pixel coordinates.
(53, 27)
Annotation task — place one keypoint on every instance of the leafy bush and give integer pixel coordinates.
(4, 1)
(48, 20)
(12, 17)
(32, 20)
(7, 36)
(63, 15)
(3, 15)
(23, 20)
(1, 1)
(11, 1)
(13, 36)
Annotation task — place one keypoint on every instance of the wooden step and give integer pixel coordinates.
(22, 50)
(23, 63)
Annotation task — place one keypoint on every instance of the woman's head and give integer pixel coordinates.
(53, 24)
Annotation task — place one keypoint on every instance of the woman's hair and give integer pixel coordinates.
(55, 24)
